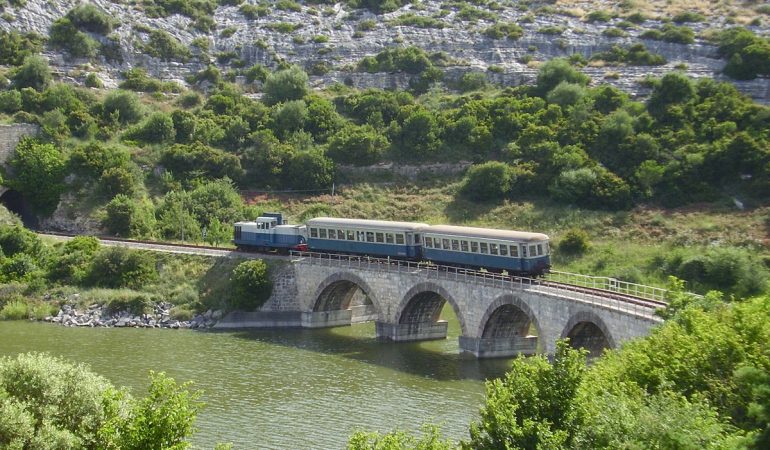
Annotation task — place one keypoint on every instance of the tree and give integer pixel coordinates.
(125, 105)
(418, 137)
(566, 94)
(285, 85)
(157, 129)
(118, 267)
(39, 171)
(535, 406)
(489, 181)
(574, 242)
(217, 232)
(163, 420)
(308, 170)
(128, 217)
(15, 239)
(359, 146)
(251, 285)
(34, 73)
(556, 71)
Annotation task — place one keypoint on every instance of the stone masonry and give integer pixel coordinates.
(497, 317)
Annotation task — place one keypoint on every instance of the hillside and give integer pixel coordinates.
(505, 41)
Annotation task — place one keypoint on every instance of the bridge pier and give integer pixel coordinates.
(326, 319)
(409, 332)
(499, 347)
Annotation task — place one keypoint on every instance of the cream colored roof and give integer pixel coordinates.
(489, 233)
(333, 222)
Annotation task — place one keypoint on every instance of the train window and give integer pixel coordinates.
(503, 250)
(445, 244)
(380, 237)
(455, 245)
(547, 248)
(429, 242)
(532, 250)
(464, 246)
(400, 239)
(515, 251)
(493, 249)
(389, 238)
(523, 251)
(474, 247)
(322, 233)
(539, 249)
(370, 236)
(314, 232)
(416, 239)
(351, 235)
(237, 232)
(332, 234)
(483, 248)
(340, 234)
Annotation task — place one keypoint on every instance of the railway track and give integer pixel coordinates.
(207, 250)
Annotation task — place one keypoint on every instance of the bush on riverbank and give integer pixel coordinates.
(700, 380)
(51, 403)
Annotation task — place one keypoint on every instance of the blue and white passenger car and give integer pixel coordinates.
(269, 232)
(365, 237)
(514, 251)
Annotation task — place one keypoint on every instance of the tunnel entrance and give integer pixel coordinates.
(589, 336)
(17, 204)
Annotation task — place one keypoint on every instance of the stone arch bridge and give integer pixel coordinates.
(499, 316)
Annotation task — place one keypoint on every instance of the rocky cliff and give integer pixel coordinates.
(335, 35)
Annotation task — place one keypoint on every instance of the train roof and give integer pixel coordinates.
(365, 223)
(490, 233)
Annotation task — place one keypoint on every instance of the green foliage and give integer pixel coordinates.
(34, 73)
(556, 71)
(284, 85)
(536, 405)
(412, 60)
(66, 36)
(398, 440)
(359, 146)
(417, 138)
(72, 260)
(49, 403)
(671, 33)
(93, 159)
(116, 267)
(119, 180)
(14, 309)
(566, 94)
(16, 47)
(598, 16)
(127, 217)
(136, 79)
(200, 11)
(492, 180)
(162, 45)
(15, 239)
(636, 55)
(39, 171)
(123, 106)
(251, 285)
(92, 81)
(308, 170)
(502, 30)
(732, 271)
(688, 16)
(164, 419)
(196, 160)
(413, 20)
(53, 404)
(574, 242)
(158, 128)
(88, 17)
(748, 55)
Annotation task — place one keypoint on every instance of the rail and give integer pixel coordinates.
(596, 296)
(609, 284)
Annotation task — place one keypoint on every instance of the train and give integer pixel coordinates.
(515, 252)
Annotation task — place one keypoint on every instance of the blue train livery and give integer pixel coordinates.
(370, 237)
(269, 232)
(513, 251)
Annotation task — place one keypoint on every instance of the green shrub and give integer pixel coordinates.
(89, 18)
(39, 171)
(688, 16)
(671, 33)
(166, 47)
(16, 47)
(284, 85)
(489, 181)
(574, 242)
(14, 309)
(598, 16)
(136, 79)
(413, 20)
(158, 128)
(251, 285)
(93, 81)
(127, 217)
(64, 35)
(34, 73)
(124, 106)
(360, 146)
(116, 267)
(504, 30)
(252, 12)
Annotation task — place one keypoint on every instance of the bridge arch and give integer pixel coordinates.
(585, 329)
(423, 302)
(337, 291)
(506, 317)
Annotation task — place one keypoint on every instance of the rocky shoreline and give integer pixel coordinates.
(97, 315)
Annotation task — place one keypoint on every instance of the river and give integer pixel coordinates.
(283, 389)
